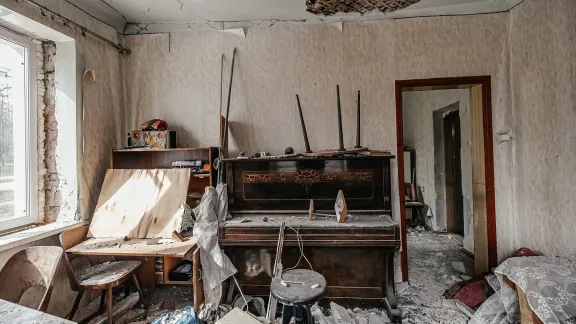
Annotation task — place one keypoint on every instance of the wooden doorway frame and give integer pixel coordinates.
(451, 83)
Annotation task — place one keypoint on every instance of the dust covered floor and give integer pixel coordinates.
(430, 270)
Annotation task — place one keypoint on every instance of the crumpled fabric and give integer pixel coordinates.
(185, 315)
(216, 266)
(222, 204)
(548, 282)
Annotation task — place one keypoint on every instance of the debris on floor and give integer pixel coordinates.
(430, 257)
(338, 314)
(236, 316)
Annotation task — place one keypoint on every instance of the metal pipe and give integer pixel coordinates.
(306, 143)
(85, 30)
(358, 123)
(340, 135)
(229, 95)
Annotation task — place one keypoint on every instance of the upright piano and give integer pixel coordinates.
(355, 257)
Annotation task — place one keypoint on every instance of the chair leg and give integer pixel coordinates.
(137, 285)
(102, 299)
(76, 303)
(109, 306)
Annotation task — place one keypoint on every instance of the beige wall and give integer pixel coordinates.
(543, 78)
(181, 85)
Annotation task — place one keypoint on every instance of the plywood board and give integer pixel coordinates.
(480, 210)
(167, 214)
(133, 247)
(140, 203)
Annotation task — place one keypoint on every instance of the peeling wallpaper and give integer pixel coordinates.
(177, 78)
(104, 107)
(543, 79)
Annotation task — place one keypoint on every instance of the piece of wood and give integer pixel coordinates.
(178, 237)
(133, 247)
(481, 262)
(11, 313)
(311, 209)
(140, 203)
(340, 207)
(118, 309)
(107, 275)
(30, 267)
(237, 316)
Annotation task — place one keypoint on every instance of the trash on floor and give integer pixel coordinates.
(237, 316)
(185, 315)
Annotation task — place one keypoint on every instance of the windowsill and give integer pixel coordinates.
(30, 235)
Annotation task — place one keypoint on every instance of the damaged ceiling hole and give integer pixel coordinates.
(331, 7)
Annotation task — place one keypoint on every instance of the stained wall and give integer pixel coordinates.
(543, 101)
(177, 78)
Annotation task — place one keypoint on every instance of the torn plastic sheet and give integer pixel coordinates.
(222, 204)
(216, 266)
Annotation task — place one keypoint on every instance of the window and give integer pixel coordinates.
(18, 166)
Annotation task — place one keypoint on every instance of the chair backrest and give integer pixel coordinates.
(68, 239)
(33, 266)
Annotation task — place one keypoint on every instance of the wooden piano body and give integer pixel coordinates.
(355, 257)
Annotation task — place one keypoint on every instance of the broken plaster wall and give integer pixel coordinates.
(103, 112)
(419, 134)
(543, 93)
(51, 175)
(177, 78)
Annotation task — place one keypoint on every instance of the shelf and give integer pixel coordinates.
(169, 282)
(202, 175)
(159, 273)
(163, 150)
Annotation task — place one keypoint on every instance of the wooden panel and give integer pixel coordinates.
(140, 203)
(290, 183)
(133, 247)
(168, 210)
(481, 261)
(156, 159)
(364, 279)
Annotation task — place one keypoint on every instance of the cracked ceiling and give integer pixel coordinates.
(331, 7)
(153, 16)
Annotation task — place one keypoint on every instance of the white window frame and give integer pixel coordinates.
(31, 133)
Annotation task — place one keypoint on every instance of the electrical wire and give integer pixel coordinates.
(302, 255)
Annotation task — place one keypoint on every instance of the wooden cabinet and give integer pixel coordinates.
(163, 159)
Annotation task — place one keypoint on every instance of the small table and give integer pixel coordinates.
(172, 254)
(13, 313)
(301, 289)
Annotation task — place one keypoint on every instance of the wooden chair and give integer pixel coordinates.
(104, 276)
(33, 266)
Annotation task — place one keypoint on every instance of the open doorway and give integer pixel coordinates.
(451, 167)
(445, 126)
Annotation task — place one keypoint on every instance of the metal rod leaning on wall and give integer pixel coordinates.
(358, 123)
(306, 143)
(228, 103)
(340, 135)
(84, 30)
